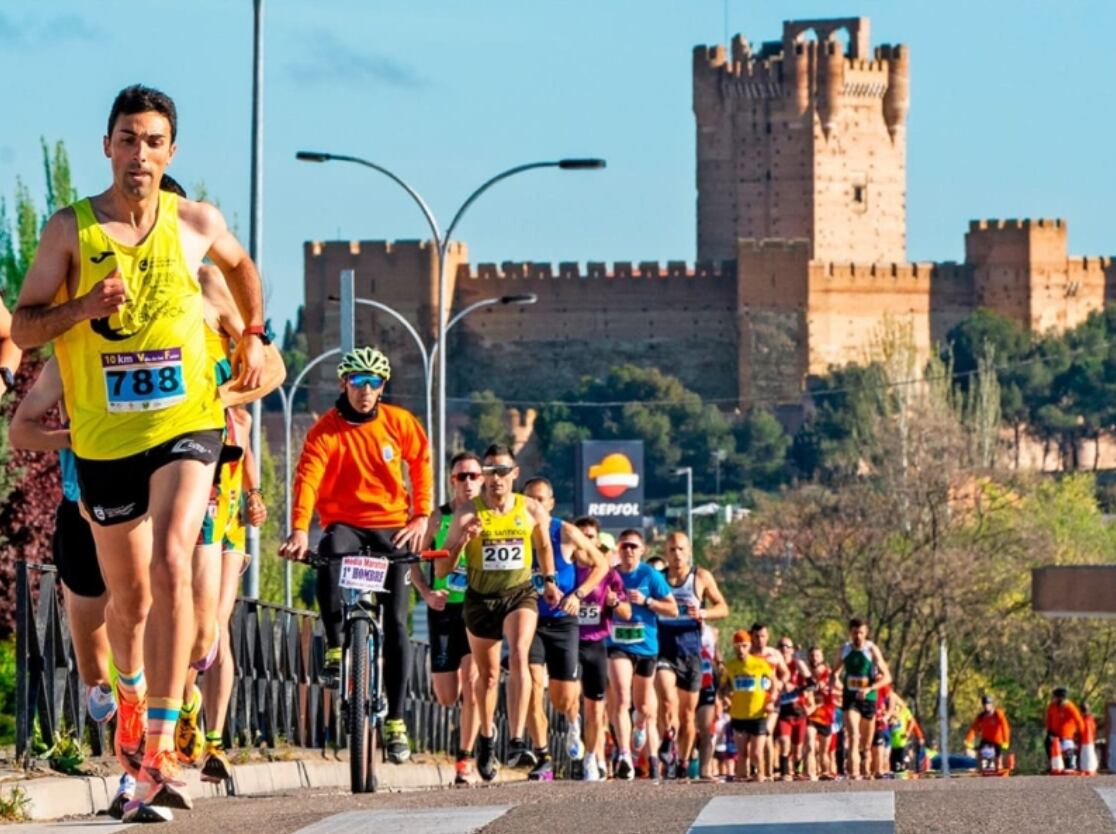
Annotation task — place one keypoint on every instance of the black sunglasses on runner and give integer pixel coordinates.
(628, 545)
(499, 470)
(462, 477)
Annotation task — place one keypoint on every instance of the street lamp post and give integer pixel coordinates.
(441, 243)
(688, 471)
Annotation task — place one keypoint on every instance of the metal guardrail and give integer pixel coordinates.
(278, 694)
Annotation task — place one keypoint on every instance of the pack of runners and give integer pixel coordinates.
(154, 313)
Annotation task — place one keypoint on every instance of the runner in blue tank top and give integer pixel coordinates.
(678, 681)
(554, 651)
(633, 647)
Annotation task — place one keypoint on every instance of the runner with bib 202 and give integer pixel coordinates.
(502, 533)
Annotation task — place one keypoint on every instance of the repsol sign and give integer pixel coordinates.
(610, 482)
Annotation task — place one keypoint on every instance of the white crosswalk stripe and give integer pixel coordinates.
(436, 821)
(87, 826)
(1108, 797)
(862, 812)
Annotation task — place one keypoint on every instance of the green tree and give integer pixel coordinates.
(487, 423)
(761, 451)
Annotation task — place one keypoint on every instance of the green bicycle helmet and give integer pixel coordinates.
(367, 360)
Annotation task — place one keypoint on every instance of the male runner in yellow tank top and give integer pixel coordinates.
(503, 532)
(113, 284)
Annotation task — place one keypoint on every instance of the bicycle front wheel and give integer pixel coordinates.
(360, 735)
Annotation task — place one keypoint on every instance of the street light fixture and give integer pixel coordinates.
(442, 244)
(688, 471)
(428, 355)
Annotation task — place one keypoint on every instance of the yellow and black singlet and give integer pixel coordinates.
(142, 376)
(501, 556)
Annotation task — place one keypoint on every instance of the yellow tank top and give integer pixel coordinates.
(501, 556)
(751, 681)
(143, 376)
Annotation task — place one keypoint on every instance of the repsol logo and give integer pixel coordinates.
(629, 509)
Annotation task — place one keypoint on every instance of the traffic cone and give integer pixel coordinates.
(1087, 759)
(1056, 765)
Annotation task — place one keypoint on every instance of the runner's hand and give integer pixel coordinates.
(257, 509)
(411, 536)
(436, 600)
(612, 599)
(295, 546)
(106, 297)
(248, 363)
(636, 597)
(571, 605)
(552, 595)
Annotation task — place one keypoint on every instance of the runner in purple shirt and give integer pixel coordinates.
(597, 609)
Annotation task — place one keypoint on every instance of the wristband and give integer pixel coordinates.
(257, 330)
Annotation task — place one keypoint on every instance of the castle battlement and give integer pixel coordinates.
(915, 274)
(596, 270)
(1026, 223)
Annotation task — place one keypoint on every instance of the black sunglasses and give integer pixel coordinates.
(462, 477)
(628, 545)
(499, 470)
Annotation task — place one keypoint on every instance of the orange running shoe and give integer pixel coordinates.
(159, 782)
(464, 772)
(131, 732)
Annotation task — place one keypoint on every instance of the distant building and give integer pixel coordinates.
(801, 250)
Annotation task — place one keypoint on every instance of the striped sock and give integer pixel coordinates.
(132, 685)
(162, 715)
(213, 739)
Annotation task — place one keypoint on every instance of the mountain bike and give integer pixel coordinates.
(359, 684)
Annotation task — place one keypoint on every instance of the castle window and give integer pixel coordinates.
(858, 194)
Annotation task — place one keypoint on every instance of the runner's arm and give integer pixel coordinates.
(661, 601)
(36, 319)
(217, 296)
(418, 458)
(28, 431)
(885, 673)
(711, 592)
(10, 354)
(588, 555)
(465, 526)
(540, 537)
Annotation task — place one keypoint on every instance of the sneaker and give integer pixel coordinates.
(654, 770)
(332, 666)
(666, 750)
(590, 771)
(131, 732)
(463, 774)
(487, 764)
(101, 703)
(396, 743)
(624, 769)
(124, 793)
(543, 771)
(519, 754)
(159, 783)
(574, 746)
(215, 766)
(188, 740)
(639, 736)
(136, 810)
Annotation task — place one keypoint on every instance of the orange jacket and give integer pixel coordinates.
(992, 728)
(354, 473)
(1064, 721)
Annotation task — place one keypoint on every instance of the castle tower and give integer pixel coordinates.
(804, 139)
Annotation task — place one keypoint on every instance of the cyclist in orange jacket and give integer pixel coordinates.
(991, 728)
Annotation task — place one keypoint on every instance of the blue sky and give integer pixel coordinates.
(1011, 113)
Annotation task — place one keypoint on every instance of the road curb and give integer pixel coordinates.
(52, 797)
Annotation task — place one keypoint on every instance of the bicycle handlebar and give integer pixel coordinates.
(316, 560)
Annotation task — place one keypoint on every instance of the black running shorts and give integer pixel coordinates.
(75, 554)
(594, 669)
(116, 491)
(448, 641)
(556, 644)
(642, 665)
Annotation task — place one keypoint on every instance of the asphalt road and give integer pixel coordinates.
(988, 806)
